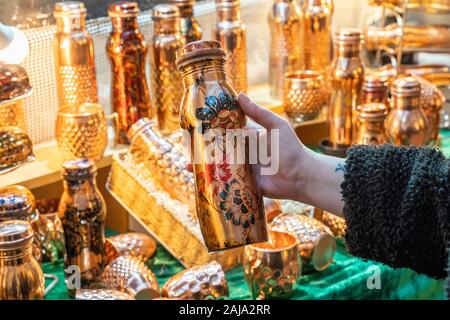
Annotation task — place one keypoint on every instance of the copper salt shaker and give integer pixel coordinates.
(231, 33)
(82, 211)
(406, 123)
(316, 16)
(166, 84)
(374, 89)
(371, 118)
(74, 55)
(190, 28)
(21, 276)
(230, 207)
(285, 54)
(127, 51)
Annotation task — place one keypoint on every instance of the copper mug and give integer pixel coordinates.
(81, 131)
(272, 268)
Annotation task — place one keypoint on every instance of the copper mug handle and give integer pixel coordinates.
(114, 116)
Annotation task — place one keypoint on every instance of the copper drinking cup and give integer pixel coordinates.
(272, 268)
(81, 131)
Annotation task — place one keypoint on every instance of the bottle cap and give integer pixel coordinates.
(374, 83)
(199, 50)
(165, 11)
(372, 112)
(78, 169)
(69, 8)
(406, 87)
(15, 234)
(123, 9)
(17, 203)
(348, 36)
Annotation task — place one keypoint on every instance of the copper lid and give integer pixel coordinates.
(348, 36)
(373, 83)
(69, 8)
(323, 252)
(199, 50)
(406, 87)
(15, 234)
(373, 112)
(124, 9)
(138, 126)
(79, 169)
(14, 82)
(17, 202)
(165, 11)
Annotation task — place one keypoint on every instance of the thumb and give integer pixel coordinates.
(260, 115)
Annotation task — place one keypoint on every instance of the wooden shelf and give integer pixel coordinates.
(47, 167)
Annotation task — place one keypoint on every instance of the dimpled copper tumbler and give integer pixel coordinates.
(273, 268)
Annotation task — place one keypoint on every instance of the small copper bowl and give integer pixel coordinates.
(272, 268)
(206, 282)
(16, 149)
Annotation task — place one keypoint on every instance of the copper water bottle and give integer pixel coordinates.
(285, 54)
(190, 28)
(230, 207)
(371, 118)
(231, 33)
(74, 55)
(406, 123)
(316, 15)
(82, 211)
(411, 37)
(127, 51)
(166, 85)
(347, 74)
(374, 89)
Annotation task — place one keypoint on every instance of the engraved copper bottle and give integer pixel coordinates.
(371, 118)
(412, 37)
(230, 208)
(166, 83)
(21, 276)
(285, 44)
(347, 74)
(316, 15)
(74, 55)
(374, 89)
(127, 51)
(231, 33)
(406, 123)
(82, 211)
(190, 28)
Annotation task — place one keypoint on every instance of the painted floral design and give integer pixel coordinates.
(219, 112)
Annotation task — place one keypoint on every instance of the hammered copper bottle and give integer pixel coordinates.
(285, 54)
(374, 89)
(347, 74)
(231, 33)
(82, 211)
(316, 15)
(21, 276)
(230, 207)
(74, 55)
(127, 51)
(166, 85)
(411, 37)
(406, 124)
(190, 28)
(371, 118)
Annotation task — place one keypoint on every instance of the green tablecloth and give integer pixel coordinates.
(346, 278)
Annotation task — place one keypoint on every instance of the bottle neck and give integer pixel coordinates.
(347, 50)
(18, 256)
(121, 24)
(203, 71)
(406, 103)
(186, 12)
(167, 26)
(71, 24)
(228, 14)
(80, 186)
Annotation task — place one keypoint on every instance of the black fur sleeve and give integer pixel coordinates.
(397, 207)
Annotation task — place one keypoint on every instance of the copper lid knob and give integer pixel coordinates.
(17, 202)
(69, 8)
(165, 11)
(199, 50)
(123, 9)
(79, 169)
(15, 234)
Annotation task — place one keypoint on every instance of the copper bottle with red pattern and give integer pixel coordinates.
(127, 51)
(229, 205)
(74, 55)
(231, 33)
